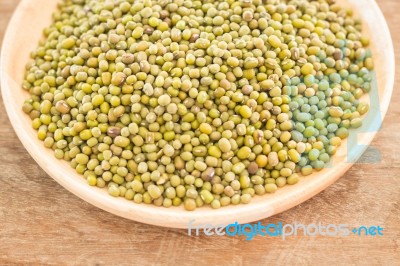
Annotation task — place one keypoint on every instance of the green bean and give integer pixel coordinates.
(194, 104)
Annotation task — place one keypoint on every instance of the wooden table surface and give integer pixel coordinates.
(41, 222)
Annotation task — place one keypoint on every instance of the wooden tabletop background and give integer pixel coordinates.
(41, 222)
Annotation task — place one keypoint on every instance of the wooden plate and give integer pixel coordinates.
(23, 34)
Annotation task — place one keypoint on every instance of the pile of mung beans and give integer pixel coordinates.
(189, 102)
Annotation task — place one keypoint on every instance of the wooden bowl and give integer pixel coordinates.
(23, 34)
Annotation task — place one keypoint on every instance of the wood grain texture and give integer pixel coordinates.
(40, 222)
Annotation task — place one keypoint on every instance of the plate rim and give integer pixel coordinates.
(170, 217)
